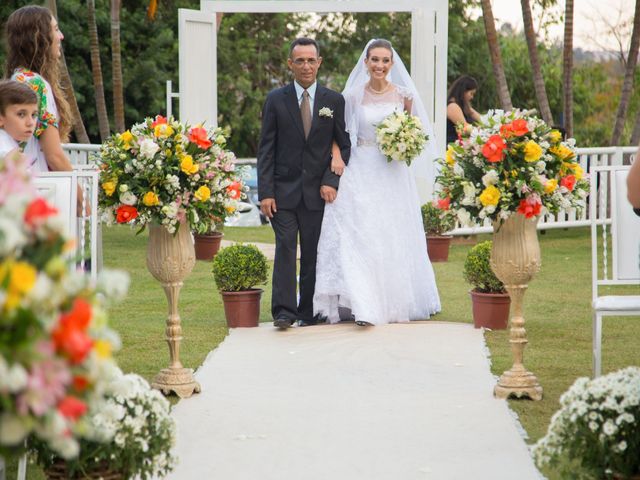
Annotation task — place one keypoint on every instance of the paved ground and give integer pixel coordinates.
(341, 402)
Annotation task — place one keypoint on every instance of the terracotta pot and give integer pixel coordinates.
(635, 476)
(58, 471)
(242, 309)
(207, 245)
(438, 247)
(490, 310)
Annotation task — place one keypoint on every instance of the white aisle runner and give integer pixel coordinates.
(341, 402)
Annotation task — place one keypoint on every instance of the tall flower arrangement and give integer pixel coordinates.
(55, 346)
(169, 173)
(511, 162)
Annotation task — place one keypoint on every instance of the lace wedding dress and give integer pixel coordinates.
(372, 255)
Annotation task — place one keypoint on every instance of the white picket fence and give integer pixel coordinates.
(81, 154)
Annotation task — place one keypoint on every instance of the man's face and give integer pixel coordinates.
(304, 63)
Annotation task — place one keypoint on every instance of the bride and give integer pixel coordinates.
(372, 255)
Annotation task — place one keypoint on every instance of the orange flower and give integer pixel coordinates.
(493, 150)
(38, 211)
(70, 335)
(506, 130)
(569, 182)
(72, 407)
(234, 190)
(444, 203)
(519, 127)
(530, 207)
(126, 213)
(198, 135)
(158, 121)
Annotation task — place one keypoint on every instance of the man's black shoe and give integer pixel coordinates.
(307, 323)
(282, 323)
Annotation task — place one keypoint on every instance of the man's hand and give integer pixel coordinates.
(268, 207)
(328, 193)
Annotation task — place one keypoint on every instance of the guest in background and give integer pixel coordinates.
(460, 113)
(633, 184)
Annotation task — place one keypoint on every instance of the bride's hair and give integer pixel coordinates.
(380, 43)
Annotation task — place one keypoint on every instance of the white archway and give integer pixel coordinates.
(429, 26)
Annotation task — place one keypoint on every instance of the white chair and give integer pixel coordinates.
(616, 261)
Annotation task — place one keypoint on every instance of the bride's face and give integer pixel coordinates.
(379, 62)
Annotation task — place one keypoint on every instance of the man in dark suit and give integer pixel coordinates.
(300, 122)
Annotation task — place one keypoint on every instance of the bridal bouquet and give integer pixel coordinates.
(400, 137)
(511, 162)
(55, 346)
(166, 172)
(597, 426)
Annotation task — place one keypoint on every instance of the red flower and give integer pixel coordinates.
(38, 211)
(72, 407)
(80, 383)
(569, 182)
(444, 203)
(70, 335)
(126, 213)
(159, 121)
(530, 207)
(198, 135)
(519, 127)
(234, 190)
(506, 130)
(493, 150)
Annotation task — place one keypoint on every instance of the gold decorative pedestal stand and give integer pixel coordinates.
(170, 259)
(515, 259)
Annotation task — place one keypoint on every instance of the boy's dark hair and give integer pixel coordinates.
(304, 41)
(15, 93)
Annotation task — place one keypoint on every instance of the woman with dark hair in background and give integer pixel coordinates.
(459, 109)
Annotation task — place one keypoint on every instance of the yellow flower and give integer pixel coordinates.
(126, 138)
(490, 196)
(450, 156)
(22, 278)
(551, 186)
(562, 151)
(150, 199)
(577, 170)
(230, 209)
(220, 140)
(532, 151)
(555, 136)
(514, 173)
(203, 193)
(102, 348)
(187, 165)
(163, 130)
(109, 188)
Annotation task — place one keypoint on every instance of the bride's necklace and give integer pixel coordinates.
(378, 92)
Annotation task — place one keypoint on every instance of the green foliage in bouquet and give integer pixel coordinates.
(596, 427)
(477, 269)
(437, 220)
(239, 267)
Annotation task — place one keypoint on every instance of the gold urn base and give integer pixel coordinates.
(177, 380)
(518, 383)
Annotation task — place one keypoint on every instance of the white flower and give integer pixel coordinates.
(490, 178)
(12, 429)
(469, 194)
(464, 217)
(114, 283)
(609, 428)
(458, 170)
(128, 198)
(16, 378)
(123, 188)
(622, 446)
(325, 112)
(11, 236)
(148, 148)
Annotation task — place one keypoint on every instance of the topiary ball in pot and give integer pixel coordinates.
(477, 269)
(436, 221)
(239, 267)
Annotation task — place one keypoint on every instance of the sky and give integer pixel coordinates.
(589, 17)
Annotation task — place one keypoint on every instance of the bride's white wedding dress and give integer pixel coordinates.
(372, 255)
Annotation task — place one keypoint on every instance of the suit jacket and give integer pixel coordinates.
(290, 168)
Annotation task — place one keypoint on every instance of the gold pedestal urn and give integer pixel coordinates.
(515, 259)
(170, 258)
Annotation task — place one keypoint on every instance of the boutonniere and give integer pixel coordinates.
(325, 112)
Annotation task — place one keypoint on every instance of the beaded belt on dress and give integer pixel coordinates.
(362, 142)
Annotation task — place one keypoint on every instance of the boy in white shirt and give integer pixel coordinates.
(18, 120)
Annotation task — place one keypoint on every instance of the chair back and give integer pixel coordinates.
(615, 229)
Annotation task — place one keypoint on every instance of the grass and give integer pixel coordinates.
(557, 314)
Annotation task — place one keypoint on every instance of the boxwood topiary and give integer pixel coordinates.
(239, 267)
(477, 270)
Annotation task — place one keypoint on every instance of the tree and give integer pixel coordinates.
(538, 80)
(627, 85)
(567, 69)
(116, 67)
(496, 59)
(96, 69)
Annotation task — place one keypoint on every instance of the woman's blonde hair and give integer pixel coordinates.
(29, 41)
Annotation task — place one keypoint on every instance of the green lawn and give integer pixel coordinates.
(557, 313)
